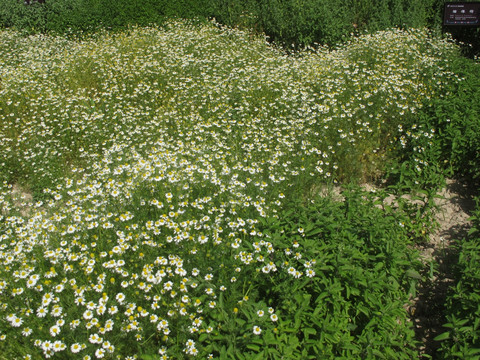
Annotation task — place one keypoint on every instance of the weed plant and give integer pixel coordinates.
(175, 177)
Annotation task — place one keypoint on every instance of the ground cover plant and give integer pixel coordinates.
(458, 123)
(172, 183)
(460, 339)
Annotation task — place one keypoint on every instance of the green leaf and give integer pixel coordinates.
(472, 230)
(473, 352)
(309, 331)
(378, 354)
(314, 232)
(240, 356)
(413, 274)
(148, 357)
(253, 347)
(240, 322)
(230, 351)
(442, 337)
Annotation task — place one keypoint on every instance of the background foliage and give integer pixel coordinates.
(285, 21)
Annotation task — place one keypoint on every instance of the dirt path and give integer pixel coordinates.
(439, 256)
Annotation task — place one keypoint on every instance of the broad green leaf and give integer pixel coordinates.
(442, 337)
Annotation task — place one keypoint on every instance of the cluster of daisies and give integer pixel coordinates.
(161, 153)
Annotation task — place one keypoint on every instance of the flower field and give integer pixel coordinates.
(161, 194)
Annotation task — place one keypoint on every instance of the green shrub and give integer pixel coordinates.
(323, 21)
(32, 18)
(284, 21)
(77, 16)
(455, 116)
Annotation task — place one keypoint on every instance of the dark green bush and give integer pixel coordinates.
(13, 13)
(284, 21)
(87, 15)
(324, 21)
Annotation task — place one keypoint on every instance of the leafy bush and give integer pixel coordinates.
(78, 16)
(354, 306)
(331, 22)
(286, 22)
(455, 119)
(32, 18)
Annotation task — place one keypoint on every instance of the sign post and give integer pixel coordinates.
(461, 14)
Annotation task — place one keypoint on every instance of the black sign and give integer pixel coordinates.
(461, 14)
